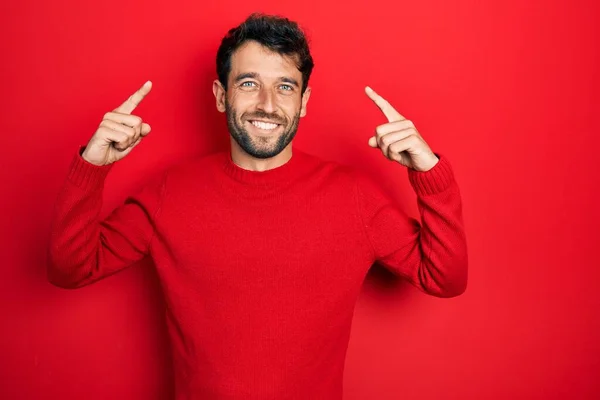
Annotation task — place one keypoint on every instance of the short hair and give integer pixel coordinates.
(276, 33)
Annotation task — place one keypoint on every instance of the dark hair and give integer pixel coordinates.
(278, 34)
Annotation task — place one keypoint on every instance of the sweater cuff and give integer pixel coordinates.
(87, 175)
(436, 180)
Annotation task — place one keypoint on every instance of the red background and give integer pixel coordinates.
(507, 89)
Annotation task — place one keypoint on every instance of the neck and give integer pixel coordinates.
(247, 162)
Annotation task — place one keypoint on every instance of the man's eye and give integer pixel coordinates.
(286, 87)
(250, 83)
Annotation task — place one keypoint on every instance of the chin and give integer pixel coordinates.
(263, 154)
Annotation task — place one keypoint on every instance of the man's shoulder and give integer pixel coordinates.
(325, 164)
(333, 171)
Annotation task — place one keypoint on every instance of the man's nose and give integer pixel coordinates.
(267, 100)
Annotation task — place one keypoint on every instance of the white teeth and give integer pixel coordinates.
(264, 125)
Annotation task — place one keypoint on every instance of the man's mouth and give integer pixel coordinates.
(264, 125)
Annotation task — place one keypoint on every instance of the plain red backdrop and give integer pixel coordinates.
(508, 90)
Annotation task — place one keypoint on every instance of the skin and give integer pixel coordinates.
(119, 131)
(264, 86)
(399, 139)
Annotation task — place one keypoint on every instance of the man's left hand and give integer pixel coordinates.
(399, 140)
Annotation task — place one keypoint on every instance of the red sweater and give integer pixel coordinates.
(261, 270)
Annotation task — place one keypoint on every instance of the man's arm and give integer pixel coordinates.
(83, 248)
(432, 253)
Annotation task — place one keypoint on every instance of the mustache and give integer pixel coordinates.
(264, 115)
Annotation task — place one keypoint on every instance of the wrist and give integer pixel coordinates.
(424, 167)
(85, 156)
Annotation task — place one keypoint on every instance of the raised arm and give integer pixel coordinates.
(82, 247)
(430, 253)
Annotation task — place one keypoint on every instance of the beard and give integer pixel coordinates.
(260, 147)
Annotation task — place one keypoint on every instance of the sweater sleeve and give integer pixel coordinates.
(84, 248)
(431, 253)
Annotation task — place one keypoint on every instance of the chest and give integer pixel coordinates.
(253, 247)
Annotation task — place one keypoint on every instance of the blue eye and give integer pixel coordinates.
(287, 86)
(247, 82)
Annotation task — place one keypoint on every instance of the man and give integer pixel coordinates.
(261, 250)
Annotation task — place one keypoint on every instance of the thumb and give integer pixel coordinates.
(145, 129)
(373, 141)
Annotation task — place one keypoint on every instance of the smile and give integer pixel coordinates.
(267, 126)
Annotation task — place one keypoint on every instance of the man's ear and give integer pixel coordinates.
(305, 98)
(219, 93)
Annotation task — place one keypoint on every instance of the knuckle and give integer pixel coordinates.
(103, 131)
(386, 140)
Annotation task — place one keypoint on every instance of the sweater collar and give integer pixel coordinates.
(282, 174)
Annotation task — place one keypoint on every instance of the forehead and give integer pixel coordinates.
(253, 57)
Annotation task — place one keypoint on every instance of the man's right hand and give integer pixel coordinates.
(119, 132)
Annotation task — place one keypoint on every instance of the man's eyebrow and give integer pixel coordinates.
(245, 75)
(289, 80)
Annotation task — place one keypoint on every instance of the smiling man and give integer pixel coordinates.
(263, 92)
(261, 250)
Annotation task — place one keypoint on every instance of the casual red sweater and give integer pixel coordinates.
(260, 270)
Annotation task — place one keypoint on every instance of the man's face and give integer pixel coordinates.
(263, 102)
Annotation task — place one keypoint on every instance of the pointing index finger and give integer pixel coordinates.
(135, 99)
(387, 109)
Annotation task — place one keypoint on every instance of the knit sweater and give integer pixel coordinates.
(260, 270)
